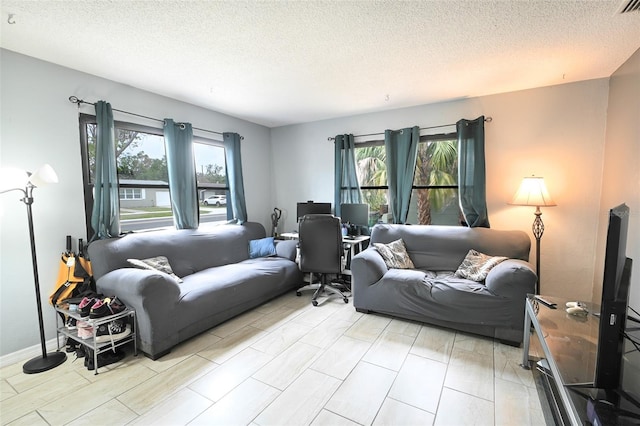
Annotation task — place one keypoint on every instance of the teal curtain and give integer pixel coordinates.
(178, 139)
(346, 187)
(401, 147)
(238, 207)
(471, 172)
(105, 217)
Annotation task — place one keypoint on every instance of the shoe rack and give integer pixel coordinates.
(90, 342)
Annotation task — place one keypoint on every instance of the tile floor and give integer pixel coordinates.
(287, 362)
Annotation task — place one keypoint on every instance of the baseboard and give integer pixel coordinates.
(27, 353)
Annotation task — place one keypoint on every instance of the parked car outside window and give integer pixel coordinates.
(215, 200)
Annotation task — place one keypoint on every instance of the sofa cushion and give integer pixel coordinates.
(190, 250)
(262, 247)
(476, 265)
(442, 248)
(395, 254)
(158, 263)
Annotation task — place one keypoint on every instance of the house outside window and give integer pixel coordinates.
(131, 194)
(434, 197)
(143, 183)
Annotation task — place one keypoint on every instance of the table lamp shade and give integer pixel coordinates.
(533, 192)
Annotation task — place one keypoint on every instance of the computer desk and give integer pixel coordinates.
(355, 243)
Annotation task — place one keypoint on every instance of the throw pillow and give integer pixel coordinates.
(158, 263)
(262, 248)
(395, 254)
(476, 265)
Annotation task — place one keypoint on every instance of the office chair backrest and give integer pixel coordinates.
(320, 244)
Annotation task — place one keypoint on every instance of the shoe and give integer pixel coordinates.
(114, 330)
(105, 358)
(105, 307)
(71, 345)
(85, 330)
(70, 323)
(84, 308)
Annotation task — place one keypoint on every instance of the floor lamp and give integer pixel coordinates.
(26, 182)
(533, 192)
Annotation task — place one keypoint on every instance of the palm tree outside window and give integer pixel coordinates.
(434, 197)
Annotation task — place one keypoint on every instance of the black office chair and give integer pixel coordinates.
(321, 252)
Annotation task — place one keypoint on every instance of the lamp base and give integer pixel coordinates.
(40, 364)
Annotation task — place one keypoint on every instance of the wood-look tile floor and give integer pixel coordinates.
(287, 362)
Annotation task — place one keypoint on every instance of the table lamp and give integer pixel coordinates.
(25, 182)
(533, 192)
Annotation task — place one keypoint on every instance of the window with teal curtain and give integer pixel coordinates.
(346, 187)
(237, 209)
(471, 172)
(401, 147)
(178, 138)
(105, 217)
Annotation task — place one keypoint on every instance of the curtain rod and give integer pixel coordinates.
(486, 120)
(75, 100)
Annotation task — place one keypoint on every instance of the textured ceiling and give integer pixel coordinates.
(279, 62)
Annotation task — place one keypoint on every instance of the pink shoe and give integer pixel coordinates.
(85, 306)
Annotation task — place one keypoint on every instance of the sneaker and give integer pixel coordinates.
(105, 307)
(85, 330)
(71, 323)
(106, 358)
(84, 308)
(114, 330)
(71, 345)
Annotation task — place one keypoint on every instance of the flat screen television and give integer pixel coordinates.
(310, 207)
(614, 301)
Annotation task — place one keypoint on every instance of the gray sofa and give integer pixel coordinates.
(219, 280)
(432, 293)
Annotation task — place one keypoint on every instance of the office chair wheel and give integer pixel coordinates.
(346, 300)
(314, 302)
(298, 293)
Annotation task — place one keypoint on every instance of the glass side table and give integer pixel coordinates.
(569, 344)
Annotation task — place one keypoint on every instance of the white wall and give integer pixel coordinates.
(39, 125)
(621, 173)
(556, 132)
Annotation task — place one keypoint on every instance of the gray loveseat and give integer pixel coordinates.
(219, 280)
(432, 293)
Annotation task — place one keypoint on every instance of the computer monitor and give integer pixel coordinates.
(354, 214)
(310, 207)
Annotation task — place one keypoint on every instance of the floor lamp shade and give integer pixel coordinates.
(25, 182)
(533, 192)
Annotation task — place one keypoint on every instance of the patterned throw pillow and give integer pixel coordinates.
(158, 263)
(476, 265)
(395, 255)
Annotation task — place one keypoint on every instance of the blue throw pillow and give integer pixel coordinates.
(262, 247)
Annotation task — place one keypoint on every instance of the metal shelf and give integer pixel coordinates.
(96, 347)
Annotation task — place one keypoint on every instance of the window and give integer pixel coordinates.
(143, 181)
(434, 198)
(131, 194)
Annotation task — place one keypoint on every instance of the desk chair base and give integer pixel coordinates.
(322, 286)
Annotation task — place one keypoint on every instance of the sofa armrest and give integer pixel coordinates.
(152, 294)
(367, 268)
(287, 249)
(512, 279)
